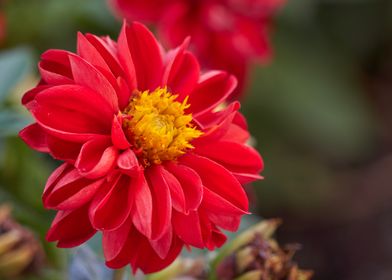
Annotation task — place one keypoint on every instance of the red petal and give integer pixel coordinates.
(190, 183)
(162, 245)
(95, 51)
(221, 212)
(240, 120)
(124, 93)
(142, 211)
(128, 162)
(176, 191)
(34, 136)
(114, 241)
(218, 179)
(215, 133)
(112, 206)
(56, 175)
(174, 57)
(246, 178)
(55, 68)
(125, 59)
(146, 56)
(148, 261)
(235, 157)
(121, 248)
(138, 251)
(217, 239)
(210, 119)
(187, 227)
(48, 74)
(237, 134)
(58, 56)
(182, 71)
(212, 236)
(183, 79)
(70, 192)
(161, 201)
(63, 150)
(107, 49)
(87, 75)
(118, 137)
(70, 109)
(96, 158)
(89, 53)
(31, 94)
(212, 89)
(70, 228)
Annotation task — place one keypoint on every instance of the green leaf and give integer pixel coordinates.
(14, 65)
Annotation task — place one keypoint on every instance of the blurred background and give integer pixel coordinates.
(320, 113)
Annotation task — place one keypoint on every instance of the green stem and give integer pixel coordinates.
(119, 274)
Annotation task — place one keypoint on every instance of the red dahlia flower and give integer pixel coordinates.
(152, 157)
(226, 34)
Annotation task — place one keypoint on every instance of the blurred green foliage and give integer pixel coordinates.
(14, 65)
(54, 23)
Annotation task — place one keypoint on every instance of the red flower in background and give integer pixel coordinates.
(226, 34)
(2, 27)
(151, 156)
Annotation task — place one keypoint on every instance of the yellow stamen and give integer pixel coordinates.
(158, 126)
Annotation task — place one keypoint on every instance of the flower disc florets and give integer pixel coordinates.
(158, 126)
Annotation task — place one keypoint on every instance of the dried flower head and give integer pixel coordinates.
(20, 252)
(255, 255)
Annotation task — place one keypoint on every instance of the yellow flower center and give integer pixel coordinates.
(158, 127)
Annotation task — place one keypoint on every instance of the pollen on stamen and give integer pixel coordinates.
(158, 126)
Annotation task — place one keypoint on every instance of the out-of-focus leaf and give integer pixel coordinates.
(47, 274)
(14, 65)
(45, 26)
(11, 122)
(23, 173)
(293, 182)
(358, 26)
(301, 11)
(23, 213)
(311, 96)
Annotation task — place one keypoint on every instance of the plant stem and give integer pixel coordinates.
(119, 274)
